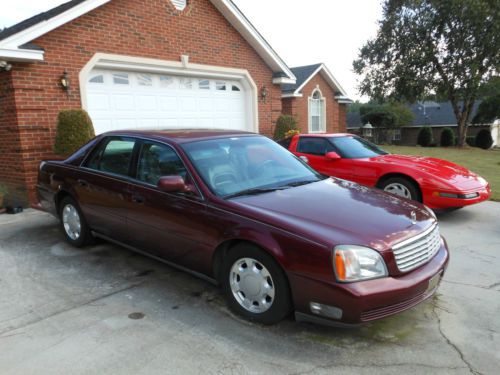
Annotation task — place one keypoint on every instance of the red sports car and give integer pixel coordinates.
(437, 183)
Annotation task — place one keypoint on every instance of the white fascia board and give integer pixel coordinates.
(46, 26)
(284, 81)
(343, 99)
(327, 75)
(253, 37)
(23, 55)
(292, 95)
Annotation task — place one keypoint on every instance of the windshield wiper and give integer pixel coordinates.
(254, 191)
(299, 183)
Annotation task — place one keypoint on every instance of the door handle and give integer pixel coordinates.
(82, 183)
(138, 199)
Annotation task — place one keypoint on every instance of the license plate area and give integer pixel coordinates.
(434, 282)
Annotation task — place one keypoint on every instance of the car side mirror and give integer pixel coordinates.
(172, 184)
(332, 155)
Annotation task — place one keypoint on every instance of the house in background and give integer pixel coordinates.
(142, 64)
(316, 100)
(436, 115)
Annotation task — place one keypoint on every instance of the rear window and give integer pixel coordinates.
(113, 156)
(285, 142)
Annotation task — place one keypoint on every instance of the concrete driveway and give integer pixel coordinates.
(108, 310)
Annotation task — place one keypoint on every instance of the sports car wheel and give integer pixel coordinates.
(73, 223)
(255, 285)
(402, 187)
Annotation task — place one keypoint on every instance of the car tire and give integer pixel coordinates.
(73, 223)
(255, 285)
(402, 187)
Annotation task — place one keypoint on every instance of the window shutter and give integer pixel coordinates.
(179, 4)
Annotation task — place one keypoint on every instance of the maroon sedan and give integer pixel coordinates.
(242, 211)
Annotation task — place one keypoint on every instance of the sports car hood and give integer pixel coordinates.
(461, 177)
(336, 211)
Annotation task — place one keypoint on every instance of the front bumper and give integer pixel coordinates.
(366, 301)
(432, 200)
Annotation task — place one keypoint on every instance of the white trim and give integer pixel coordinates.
(292, 95)
(226, 7)
(343, 99)
(16, 54)
(141, 64)
(327, 75)
(46, 26)
(284, 81)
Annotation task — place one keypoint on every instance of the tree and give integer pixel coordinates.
(387, 115)
(284, 124)
(428, 47)
(488, 111)
(425, 137)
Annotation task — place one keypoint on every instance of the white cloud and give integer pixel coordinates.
(302, 32)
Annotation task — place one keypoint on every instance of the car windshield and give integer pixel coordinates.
(247, 165)
(356, 148)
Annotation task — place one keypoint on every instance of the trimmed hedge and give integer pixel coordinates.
(447, 137)
(425, 137)
(284, 124)
(471, 141)
(484, 139)
(74, 129)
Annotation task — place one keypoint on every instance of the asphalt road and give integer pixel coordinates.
(107, 310)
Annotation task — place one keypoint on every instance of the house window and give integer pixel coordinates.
(120, 78)
(396, 135)
(317, 116)
(179, 4)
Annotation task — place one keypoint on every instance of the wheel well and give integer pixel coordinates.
(224, 248)
(59, 197)
(400, 175)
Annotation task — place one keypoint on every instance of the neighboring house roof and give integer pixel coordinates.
(13, 40)
(427, 113)
(305, 73)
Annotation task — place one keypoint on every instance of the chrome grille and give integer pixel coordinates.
(416, 251)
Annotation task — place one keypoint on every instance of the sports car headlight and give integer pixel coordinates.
(356, 263)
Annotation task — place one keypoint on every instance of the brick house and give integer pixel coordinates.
(131, 64)
(316, 99)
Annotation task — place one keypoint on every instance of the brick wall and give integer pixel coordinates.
(31, 98)
(299, 107)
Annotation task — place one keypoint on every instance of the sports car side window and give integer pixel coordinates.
(113, 157)
(314, 146)
(157, 160)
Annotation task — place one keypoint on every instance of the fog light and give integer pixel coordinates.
(325, 310)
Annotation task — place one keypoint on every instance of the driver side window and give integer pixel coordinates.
(314, 146)
(158, 160)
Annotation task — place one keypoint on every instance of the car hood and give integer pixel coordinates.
(461, 177)
(336, 211)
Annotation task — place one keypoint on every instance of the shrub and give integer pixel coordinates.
(484, 139)
(471, 141)
(425, 136)
(74, 129)
(447, 137)
(284, 124)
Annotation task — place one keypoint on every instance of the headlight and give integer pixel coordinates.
(356, 263)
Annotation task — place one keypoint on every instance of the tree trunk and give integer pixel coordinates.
(462, 131)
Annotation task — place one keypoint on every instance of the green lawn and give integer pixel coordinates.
(484, 163)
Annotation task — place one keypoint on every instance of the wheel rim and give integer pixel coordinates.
(252, 285)
(71, 222)
(398, 189)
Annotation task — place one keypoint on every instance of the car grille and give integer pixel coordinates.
(418, 250)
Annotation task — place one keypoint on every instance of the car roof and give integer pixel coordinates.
(181, 135)
(328, 135)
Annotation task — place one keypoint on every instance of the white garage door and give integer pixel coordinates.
(132, 100)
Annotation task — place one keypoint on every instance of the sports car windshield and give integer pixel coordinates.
(356, 148)
(247, 165)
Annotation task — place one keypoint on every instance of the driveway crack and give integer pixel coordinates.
(451, 344)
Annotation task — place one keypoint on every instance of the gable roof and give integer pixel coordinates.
(14, 38)
(426, 113)
(305, 73)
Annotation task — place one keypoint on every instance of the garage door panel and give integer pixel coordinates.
(165, 102)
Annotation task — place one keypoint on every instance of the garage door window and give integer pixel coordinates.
(204, 84)
(220, 86)
(144, 80)
(186, 83)
(120, 79)
(166, 82)
(97, 79)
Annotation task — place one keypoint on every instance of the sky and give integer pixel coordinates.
(301, 32)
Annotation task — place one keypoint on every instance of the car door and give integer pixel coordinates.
(102, 186)
(172, 226)
(315, 149)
